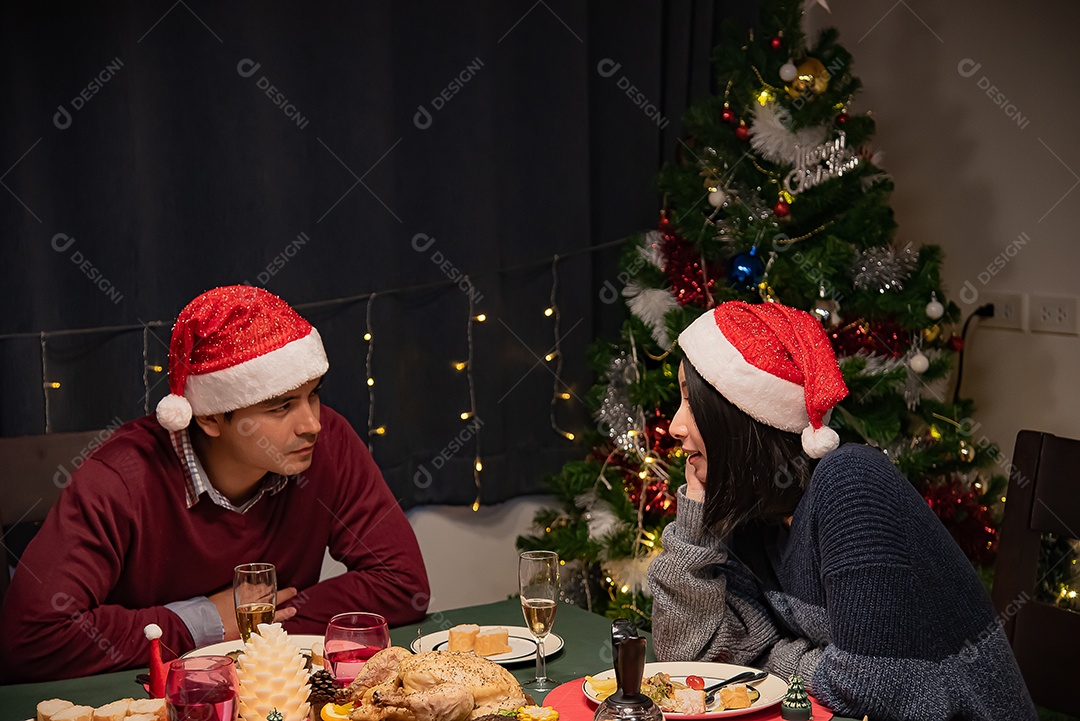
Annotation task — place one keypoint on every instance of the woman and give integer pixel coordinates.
(834, 569)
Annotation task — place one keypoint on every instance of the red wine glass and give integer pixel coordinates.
(351, 639)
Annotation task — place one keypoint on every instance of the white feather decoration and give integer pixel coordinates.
(651, 305)
(631, 574)
(651, 250)
(772, 138)
(599, 515)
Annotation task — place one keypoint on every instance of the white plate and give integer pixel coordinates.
(772, 688)
(521, 642)
(220, 649)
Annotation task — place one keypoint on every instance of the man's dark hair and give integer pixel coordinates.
(754, 471)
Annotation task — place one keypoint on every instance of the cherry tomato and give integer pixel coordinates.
(695, 682)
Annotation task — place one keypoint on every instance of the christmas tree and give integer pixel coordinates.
(775, 195)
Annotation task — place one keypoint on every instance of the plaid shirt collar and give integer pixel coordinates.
(196, 482)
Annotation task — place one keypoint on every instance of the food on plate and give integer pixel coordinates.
(463, 637)
(75, 713)
(736, 696)
(46, 709)
(677, 697)
(537, 713)
(395, 685)
(272, 674)
(696, 682)
(317, 654)
(115, 711)
(492, 641)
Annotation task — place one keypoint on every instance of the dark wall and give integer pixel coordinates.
(145, 162)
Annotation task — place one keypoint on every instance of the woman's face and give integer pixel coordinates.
(684, 429)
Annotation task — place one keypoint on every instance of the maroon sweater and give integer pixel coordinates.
(121, 542)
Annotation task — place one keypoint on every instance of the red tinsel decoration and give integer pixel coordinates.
(881, 337)
(684, 271)
(965, 517)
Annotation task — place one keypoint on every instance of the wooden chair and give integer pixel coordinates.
(1043, 497)
(33, 471)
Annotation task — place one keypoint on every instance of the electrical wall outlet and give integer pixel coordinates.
(1008, 310)
(1053, 314)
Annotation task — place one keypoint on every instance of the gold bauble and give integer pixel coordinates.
(812, 80)
(930, 334)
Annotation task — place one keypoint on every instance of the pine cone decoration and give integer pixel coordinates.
(323, 688)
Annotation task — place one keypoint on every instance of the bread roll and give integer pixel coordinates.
(152, 706)
(75, 713)
(142, 717)
(46, 709)
(492, 641)
(115, 711)
(463, 637)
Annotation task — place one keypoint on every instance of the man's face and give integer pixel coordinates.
(275, 436)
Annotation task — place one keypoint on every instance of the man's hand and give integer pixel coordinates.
(223, 601)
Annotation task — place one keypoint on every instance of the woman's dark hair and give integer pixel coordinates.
(754, 471)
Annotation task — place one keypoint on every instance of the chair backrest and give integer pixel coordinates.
(33, 471)
(1043, 497)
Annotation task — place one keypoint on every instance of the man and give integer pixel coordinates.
(154, 522)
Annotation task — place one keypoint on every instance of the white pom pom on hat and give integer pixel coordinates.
(152, 631)
(233, 347)
(773, 362)
(174, 412)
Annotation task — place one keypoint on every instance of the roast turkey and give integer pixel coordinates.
(396, 685)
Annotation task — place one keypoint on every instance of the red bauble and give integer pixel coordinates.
(841, 118)
(776, 43)
(781, 209)
(727, 115)
(742, 132)
(956, 343)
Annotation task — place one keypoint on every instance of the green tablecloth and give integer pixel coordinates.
(587, 650)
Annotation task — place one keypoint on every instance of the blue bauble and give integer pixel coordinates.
(745, 270)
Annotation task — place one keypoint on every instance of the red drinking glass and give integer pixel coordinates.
(202, 688)
(351, 639)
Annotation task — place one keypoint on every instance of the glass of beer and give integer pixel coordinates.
(255, 595)
(538, 581)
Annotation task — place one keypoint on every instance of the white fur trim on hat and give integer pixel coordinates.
(258, 379)
(761, 395)
(152, 631)
(174, 412)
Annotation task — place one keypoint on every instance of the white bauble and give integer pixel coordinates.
(788, 71)
(717, 198)
(919, 363)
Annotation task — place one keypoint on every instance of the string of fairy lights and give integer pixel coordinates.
(153, 369)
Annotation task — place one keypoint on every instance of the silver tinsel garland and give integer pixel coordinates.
(883, 268)
(618, 417)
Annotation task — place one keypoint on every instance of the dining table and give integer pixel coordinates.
(586, 650)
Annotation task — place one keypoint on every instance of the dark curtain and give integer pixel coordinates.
(332, 150)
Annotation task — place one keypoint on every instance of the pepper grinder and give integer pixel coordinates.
(627, 703)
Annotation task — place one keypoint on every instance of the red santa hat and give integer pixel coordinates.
(773, 362)
(233, 347)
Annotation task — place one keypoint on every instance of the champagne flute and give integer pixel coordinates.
(255, 596)
(351, 639)
(203, 688)
(538, 581)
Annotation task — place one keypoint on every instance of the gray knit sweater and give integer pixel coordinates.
(866, 596)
